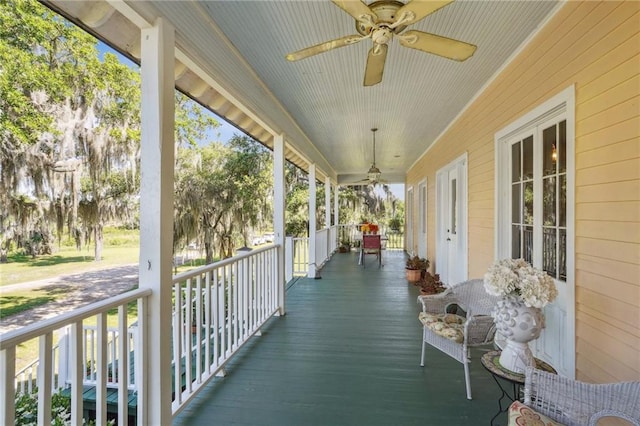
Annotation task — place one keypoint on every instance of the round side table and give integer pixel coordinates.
(509, 382)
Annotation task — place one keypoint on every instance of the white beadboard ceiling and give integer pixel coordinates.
(319, 103)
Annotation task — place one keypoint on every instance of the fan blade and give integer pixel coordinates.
(375, 65)
(416, 10)
(438, 45)
(324, 47)
(358, 9)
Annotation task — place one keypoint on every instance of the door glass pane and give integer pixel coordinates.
(515, 162)
(562, 255)
(515, 203)
(549, 201)
(562, 201)
(549, 150)
(562, 146)
(527, 214)
(527, 158)
(516, 253)
(549, 251)
(527, 243)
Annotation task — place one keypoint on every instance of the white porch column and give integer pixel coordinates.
(336, 214)
(278, 215)
(327, 204)
(311, 273)
(156, 219)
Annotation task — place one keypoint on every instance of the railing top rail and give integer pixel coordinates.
(221, 263)
(15, 337)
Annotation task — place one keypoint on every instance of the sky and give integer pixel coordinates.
(225, 131)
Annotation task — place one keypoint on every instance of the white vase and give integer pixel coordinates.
(519, 324)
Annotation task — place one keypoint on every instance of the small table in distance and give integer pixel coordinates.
(510, 383)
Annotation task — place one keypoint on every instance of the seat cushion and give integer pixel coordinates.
(521, 415)
(449, 326)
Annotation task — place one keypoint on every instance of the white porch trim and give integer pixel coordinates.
(279, 215)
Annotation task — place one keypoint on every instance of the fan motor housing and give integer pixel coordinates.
(385, 10)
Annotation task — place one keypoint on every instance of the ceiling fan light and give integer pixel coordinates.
(374, 173)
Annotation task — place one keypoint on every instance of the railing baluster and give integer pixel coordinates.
(207, 321)
(123, 364)
(101, 370)
(77, 365)
(44, 378)
(198, 322)
(178, 326)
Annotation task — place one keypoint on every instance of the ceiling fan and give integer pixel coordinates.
(373, 175)
(380, 21)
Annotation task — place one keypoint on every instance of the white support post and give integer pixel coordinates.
(336, 212)
(327, 216)
(278, 216)
(7, 385)
(311, 273)
(156, 218)
(327, 203)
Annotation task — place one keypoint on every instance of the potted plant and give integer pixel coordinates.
(431, 284)
(414, 267)
(345, 246)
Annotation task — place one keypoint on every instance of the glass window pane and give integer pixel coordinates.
(562, 255)
(527, 158)
(515, 203)
(527, 243)
(562, 146)
(549, 251)
(515, 242)
(549, 150)
(527, 214)
(515, 162)
(549, 201)
(562, 201)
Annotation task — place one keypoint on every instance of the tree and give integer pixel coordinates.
(69, 144)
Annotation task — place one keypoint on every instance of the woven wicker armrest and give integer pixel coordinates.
(576, 403)
(437, 303)
(481, 330)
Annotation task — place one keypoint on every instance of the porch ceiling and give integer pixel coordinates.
(231, 58)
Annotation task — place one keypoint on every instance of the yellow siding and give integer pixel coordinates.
(596, 46)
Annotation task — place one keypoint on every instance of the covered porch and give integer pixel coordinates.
(347, 352)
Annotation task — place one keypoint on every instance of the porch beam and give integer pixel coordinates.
(311, 273)
(279, 215)
(156, 218)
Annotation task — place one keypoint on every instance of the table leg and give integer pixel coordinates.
(505, 394)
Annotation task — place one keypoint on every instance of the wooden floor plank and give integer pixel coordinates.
(346, 353)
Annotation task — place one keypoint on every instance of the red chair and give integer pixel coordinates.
(371, 244)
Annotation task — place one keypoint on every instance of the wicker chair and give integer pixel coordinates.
(474, 330)
(575, 403)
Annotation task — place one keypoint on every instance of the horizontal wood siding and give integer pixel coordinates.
(596, 46)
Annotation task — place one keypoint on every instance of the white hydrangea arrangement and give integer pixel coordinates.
(515, 277)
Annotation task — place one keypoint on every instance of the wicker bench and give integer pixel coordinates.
(574, 403)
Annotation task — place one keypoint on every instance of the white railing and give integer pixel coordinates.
(25, 379)
(300, 254)
(333, 242)
(77, 371)
(322, 255)
(217, 308)
(394, 238)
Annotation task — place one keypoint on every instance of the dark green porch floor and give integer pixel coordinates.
(346, 353)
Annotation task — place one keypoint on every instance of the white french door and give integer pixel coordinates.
(451, 219)
(535, 216)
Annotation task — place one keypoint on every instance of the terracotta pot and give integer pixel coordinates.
(413, 275)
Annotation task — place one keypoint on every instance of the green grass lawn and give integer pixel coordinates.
(121, 247)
